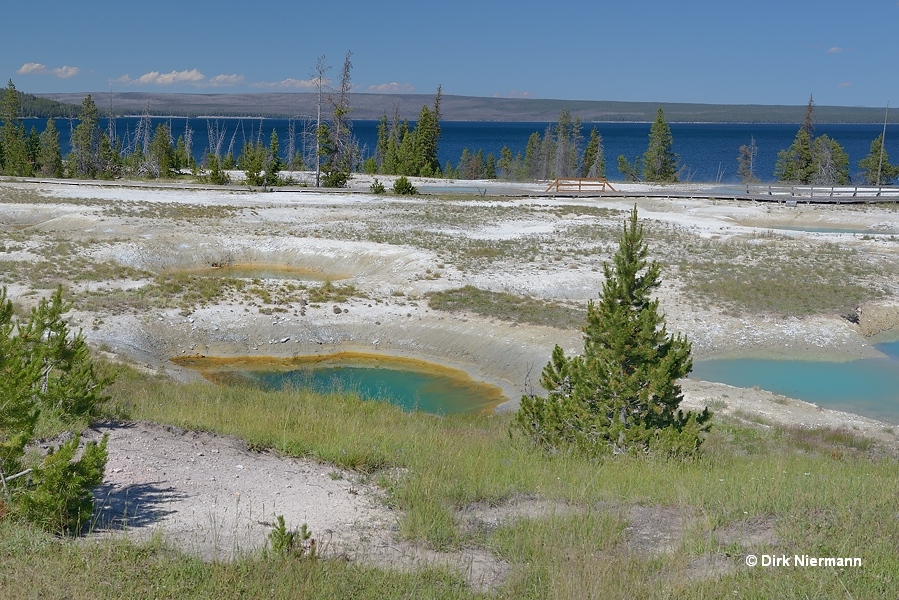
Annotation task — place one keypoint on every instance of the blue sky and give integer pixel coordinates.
(716, 51)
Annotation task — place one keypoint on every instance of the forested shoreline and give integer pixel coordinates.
(453, 108)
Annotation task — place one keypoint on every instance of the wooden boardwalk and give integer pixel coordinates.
(783, 194)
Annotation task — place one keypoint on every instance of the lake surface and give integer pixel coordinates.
(708, 151)
(410, 384)
(868, 387)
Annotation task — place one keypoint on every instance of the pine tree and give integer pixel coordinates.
(381, 146)
(532, 156)
(621, 394)
(51, 155)
(490, 167)
(548, 154)
(504, 164)
(427, 134)
(797, 163)
(567, 136)
(180, 157)
(273, 162)
(86, 140)
(13, 141)
(109, 160)
(252, 162)
(33, 151)
(660, 161)
(594, 164)
(876, 167)
(831, 162)
(405, 153)
(463, 167)
(631, 171)
(47, 373)
(161, 153)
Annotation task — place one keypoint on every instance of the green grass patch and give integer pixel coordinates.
(775, 274)
(822, 491)
(34, 565)
(507, 307)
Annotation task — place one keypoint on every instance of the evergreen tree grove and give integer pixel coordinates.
(13, 142)
(810, 160)
(621, 395)
(404, 151)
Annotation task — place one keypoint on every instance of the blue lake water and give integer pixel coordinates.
(708, 151)
(868, 387)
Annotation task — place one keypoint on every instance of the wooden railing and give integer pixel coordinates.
(580, 185)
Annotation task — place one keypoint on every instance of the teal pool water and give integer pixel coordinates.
(868, 387)
(891, 349)
(408, 383)
(407, 389)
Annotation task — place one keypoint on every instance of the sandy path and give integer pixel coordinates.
(212, 496)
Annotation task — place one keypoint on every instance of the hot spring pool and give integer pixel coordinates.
(410, 384)
(868, 387)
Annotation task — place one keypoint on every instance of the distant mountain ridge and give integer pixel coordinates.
(462, 108)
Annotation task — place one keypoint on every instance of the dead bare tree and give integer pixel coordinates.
(111, 125)
(318, 75)
(340, 130)
(291, 142)
(188, 140)
(216, 138)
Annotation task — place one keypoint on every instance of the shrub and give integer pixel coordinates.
(377, 187)
(296, 543)
(404, 187)
(335, 179)
(60, 498)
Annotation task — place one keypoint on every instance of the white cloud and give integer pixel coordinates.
(191, 77)
(290, 83)
(392, 88)
(63, 72)
(845, 84)
(836, 50)
(157, 78)
(32, 68)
